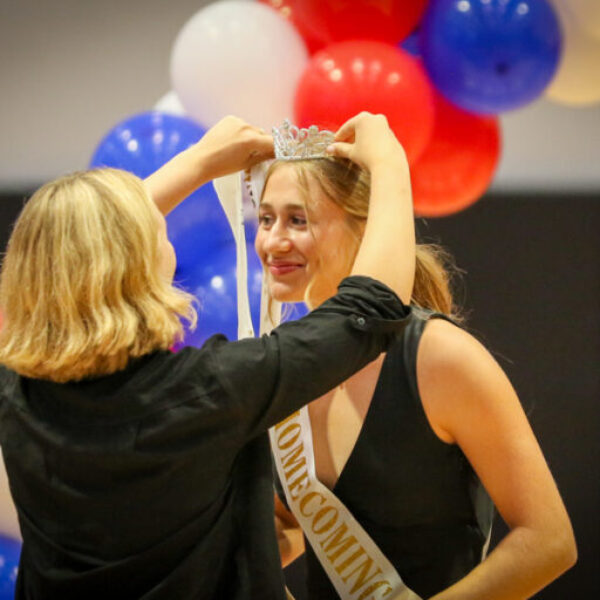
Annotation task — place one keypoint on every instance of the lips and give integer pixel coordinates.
(283, 268)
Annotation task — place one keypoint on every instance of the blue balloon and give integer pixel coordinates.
(213, 282)
(142, 144)
(490, 56)
(10, 552)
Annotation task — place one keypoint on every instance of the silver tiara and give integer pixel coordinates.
(293, 143)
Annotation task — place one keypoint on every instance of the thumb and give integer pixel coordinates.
(340, 149)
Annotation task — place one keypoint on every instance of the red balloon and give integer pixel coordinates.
(459, 162)
(347, 78)
(324, 22)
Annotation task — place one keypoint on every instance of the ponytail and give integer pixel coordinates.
(433, 273)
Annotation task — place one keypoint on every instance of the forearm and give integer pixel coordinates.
(522, 564)
(177, 179)
(387, 252)
(229, 146)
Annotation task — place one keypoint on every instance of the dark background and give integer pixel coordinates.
(532, 289)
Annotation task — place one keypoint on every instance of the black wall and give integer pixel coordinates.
(532, 287)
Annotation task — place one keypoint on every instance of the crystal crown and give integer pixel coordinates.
(293, 143)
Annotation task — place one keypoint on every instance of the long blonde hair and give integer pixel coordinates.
(80, 289)
(348, 186)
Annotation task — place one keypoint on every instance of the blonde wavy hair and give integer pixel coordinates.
(349, 187)
(80, 289)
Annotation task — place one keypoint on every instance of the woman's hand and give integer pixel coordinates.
(367, 140)
(289, 534)
(232, 145)
(229, 146)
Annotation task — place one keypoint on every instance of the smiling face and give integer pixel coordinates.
(302, 245)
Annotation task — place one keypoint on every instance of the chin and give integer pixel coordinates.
(285, 293)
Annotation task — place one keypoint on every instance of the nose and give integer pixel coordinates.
(277, 239)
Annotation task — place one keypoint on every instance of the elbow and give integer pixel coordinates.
(565, 550)
(570, 551)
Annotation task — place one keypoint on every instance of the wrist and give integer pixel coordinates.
(390, 169)
(394, 162)
(200, 162)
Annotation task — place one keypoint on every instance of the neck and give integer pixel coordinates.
(318, 296)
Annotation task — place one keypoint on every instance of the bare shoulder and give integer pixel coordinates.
(456, 376)
(446, 348)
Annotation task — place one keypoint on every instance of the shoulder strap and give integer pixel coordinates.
(410, 343)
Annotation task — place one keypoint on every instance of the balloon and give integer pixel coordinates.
(411, 43)
(214, 284)
(577, 82)
(288, 10)
(324, 22)
(349, 77)
(10, 551)
(489, 56)
(586, 13)
(459, 162)
(237, 57)
(143, 143)
(196, 225)
(170, 103)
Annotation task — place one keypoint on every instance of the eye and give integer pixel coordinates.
(298, 220)
(265, 220)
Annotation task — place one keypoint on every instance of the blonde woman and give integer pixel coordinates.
(136, 472)
(412, 444)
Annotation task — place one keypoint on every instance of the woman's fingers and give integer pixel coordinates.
(340, 149)
(347, 132)
(261, 147)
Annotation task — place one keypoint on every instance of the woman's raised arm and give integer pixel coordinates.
(230, 145)
(368, 141)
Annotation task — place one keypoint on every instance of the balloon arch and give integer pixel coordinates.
(442, 71)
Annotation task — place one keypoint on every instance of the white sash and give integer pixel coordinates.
(356, 567)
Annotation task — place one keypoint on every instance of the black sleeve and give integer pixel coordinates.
(273, 376)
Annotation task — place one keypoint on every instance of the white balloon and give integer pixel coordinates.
(586, 13)
(577, 79)
(170, 103)
(241, 58)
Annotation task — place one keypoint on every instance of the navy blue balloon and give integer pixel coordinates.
(143, 143)
(490, 56)
(10, 551)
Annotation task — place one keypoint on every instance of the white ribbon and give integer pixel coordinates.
(229, 191)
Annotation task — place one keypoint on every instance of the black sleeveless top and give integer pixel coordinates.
(416, 496)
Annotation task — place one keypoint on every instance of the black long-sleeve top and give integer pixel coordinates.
(155, 481)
